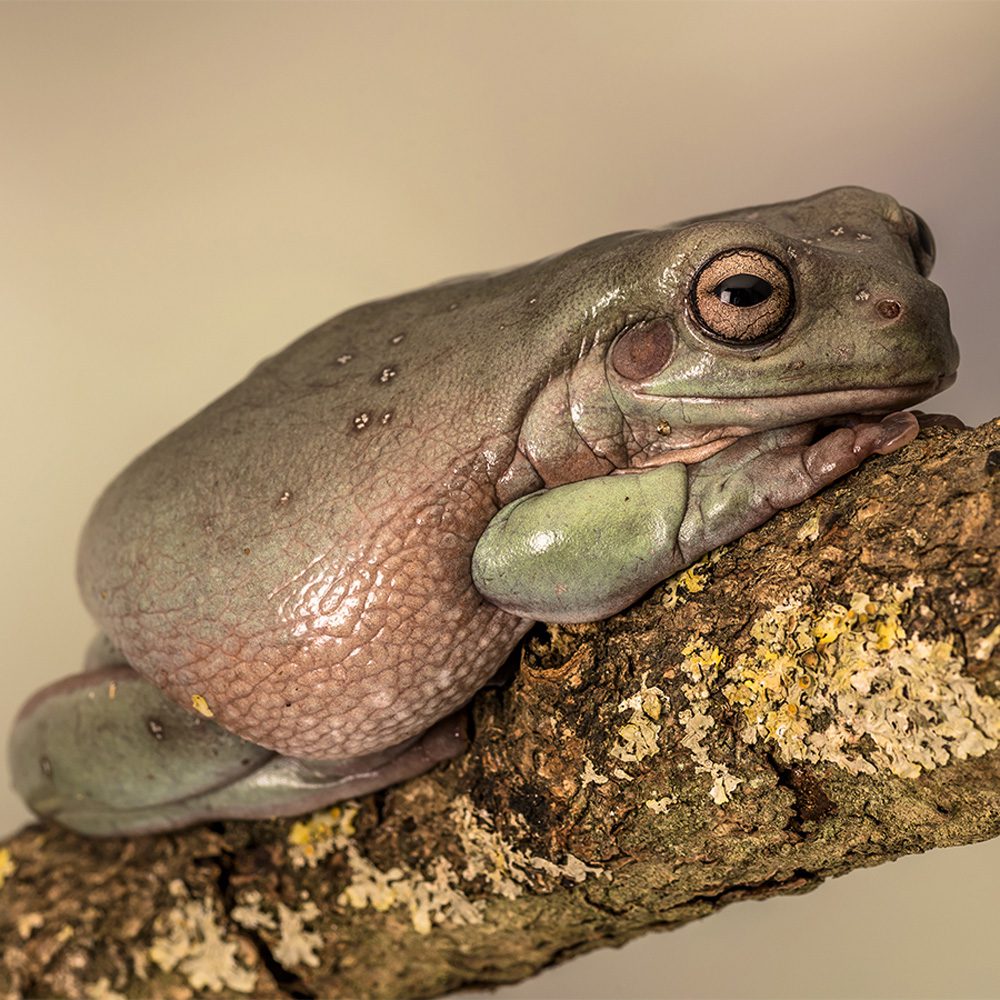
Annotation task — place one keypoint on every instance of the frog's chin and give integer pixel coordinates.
(756, 413)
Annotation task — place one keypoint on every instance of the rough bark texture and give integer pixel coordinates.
(823, 695)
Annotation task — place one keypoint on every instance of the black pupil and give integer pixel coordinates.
(743, 290)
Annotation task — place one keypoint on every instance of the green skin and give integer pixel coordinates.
(336, 554)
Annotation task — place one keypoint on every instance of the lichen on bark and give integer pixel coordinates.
(820, 696)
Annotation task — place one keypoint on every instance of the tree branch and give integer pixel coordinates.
(822, 695)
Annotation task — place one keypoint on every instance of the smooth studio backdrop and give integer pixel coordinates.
(186, 187)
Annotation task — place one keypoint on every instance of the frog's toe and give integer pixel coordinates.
(947, 420)
(847, 447)
(105, 753)
(93, 749)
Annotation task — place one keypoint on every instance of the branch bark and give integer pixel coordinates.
(822, 695)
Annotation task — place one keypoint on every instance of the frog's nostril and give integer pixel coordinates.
(888, 308)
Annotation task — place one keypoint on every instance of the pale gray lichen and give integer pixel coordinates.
(660, 804)
(435, 898)
(637, 738)
(28, 923)
(297, 945)
(101, 990)
(430, 901)
(249, 913)
(848, 685)
(982, 649)
(590, 775)
(702, 663)
(189, 939)
(507, 869)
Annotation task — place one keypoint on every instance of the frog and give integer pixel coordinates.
(301, 588)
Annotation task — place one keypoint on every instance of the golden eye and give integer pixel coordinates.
(742, 296)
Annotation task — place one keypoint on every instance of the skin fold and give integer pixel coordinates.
(299, 588)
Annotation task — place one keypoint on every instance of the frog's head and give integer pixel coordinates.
(784, 314)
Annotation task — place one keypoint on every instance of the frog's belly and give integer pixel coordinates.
(322, 655)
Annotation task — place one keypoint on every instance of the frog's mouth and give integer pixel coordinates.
(758, 412)
(708, 424)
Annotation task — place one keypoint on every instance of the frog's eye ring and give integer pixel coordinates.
(742, 296)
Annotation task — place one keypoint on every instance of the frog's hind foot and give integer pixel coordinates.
(106, 754)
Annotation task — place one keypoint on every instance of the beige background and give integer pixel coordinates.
(183, 188)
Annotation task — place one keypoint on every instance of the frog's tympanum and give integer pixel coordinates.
(298, 588)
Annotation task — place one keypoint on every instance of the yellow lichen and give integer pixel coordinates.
(692, 581)
(7, 865)
(846, 684)
(200, 704)
(189, 940)
(323, 833)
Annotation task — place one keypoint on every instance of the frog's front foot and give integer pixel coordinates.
(105, 753)
(742, 486)
(585, 550)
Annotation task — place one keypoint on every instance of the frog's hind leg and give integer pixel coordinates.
(105, 753)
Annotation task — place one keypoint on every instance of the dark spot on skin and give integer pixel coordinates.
(246, 551)
(46, 765)
(888, 308)
(643, 350)
(156, 728)
(288, 704)
(993, 462)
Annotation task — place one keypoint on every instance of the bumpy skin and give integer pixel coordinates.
(333, 556)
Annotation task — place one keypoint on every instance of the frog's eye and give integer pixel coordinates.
(742, 296)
